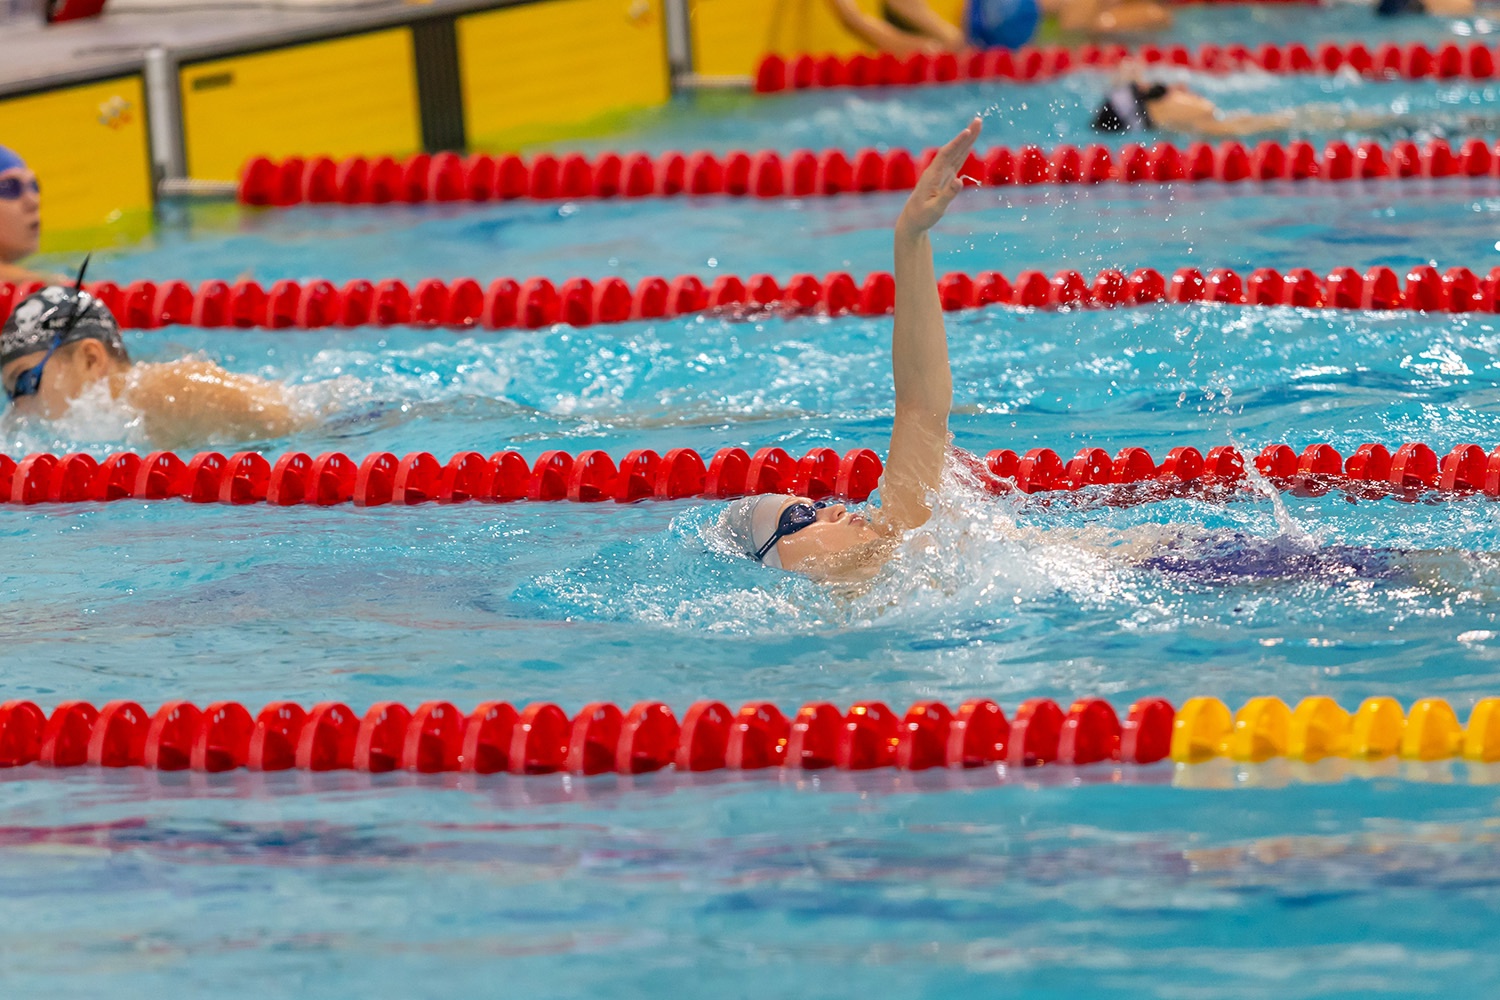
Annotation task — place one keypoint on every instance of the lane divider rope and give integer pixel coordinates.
(1027, 64)
(448, 177)
(541, 738)
(382, 478)
(538, 303)
(1372, 471)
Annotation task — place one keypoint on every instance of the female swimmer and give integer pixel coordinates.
(20, 218)
(828, 542)
(1144, 107)
(1140, 107)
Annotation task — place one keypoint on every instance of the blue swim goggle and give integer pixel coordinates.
(29, 382)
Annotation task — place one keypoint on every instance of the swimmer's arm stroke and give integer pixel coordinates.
(186, 401)
(919, 346)
(1206, 121)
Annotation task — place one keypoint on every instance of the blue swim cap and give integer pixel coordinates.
(10, 160)
(1006, 24)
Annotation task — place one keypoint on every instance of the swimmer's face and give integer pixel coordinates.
(71, 369)
(20, 218)
(836, 530)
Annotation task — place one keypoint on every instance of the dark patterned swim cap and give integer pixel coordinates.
(43, 315)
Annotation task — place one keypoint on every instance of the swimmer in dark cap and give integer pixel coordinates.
(1143, 107)
(61, 343)
(830, 542)
(1136, 106)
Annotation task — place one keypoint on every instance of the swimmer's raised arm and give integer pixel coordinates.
(919, 345)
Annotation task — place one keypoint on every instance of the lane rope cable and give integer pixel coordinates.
(539, 303)
(448, 177)
(1132, 476)
(541, 738)
(776, 73)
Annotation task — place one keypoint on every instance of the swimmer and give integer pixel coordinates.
(913, 26)
(1437, 8)
(827, 541)
(61, 343)
(1140, 107)
(20, 218)
(1135, 106)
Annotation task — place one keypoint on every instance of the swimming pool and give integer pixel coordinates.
(1050, 884)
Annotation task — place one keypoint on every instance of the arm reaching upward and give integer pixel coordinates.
(919, 345)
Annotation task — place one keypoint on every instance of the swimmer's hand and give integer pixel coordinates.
(938, 185)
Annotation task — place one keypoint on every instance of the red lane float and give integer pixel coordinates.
(1028, 64)
(537, 303)
(601, 738)
(1372, 471)
(382, 478)
(805, 173)
(1133, 475)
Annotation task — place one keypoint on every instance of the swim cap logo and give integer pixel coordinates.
(115, 113)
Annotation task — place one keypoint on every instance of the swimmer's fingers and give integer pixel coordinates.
(953, 154)
(939, 183)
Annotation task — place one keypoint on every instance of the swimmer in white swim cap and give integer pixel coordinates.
(827, 541)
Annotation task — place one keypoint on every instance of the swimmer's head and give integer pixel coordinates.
(794, 533)
(20, 209)
(56, 343)
(1128, 108)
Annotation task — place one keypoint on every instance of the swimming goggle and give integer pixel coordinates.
(793, 519)
(12, 188)
(29, 382)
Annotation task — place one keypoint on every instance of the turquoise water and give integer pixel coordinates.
(1057, 111)
(1272, 881)
(1254, 24)
(1281, 224)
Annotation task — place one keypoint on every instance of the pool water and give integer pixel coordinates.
(1342, 106)
(1332, 880)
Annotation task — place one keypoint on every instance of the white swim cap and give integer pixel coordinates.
(752, 521)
